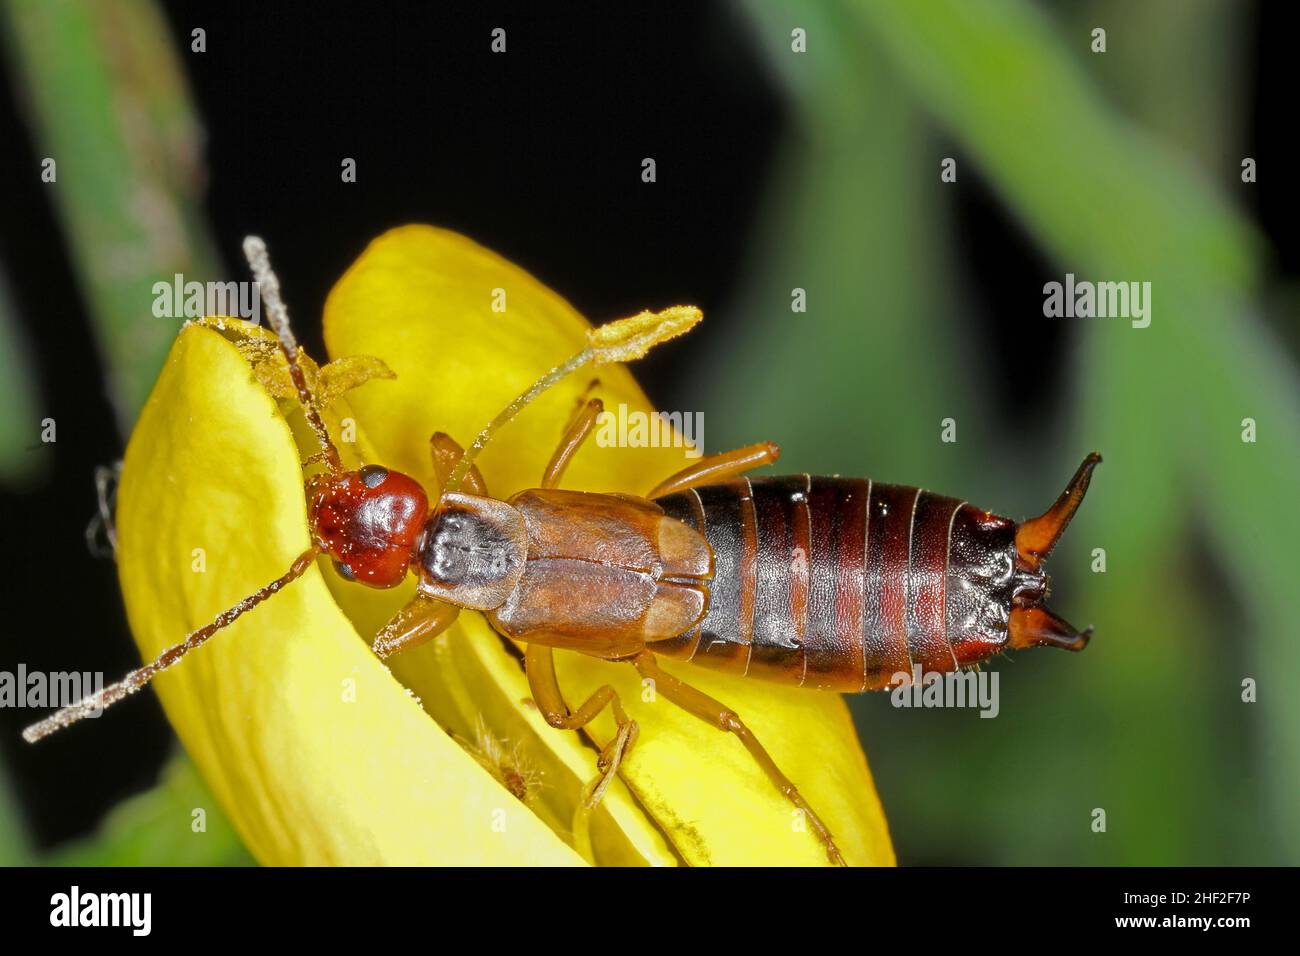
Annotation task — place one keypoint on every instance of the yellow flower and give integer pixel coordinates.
(317, 751)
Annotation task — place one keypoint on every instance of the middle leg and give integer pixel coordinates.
(539, 666)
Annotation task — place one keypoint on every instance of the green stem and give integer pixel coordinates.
(105, 96)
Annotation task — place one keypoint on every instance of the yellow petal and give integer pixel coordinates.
(313, 749)
(421, 299)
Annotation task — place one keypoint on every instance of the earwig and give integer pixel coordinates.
(838, 584)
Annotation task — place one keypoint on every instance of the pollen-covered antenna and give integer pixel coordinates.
(622, 340)
(259, 262)
(94, 704)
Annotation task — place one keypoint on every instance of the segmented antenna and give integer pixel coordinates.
(510, 411)
(260, 263)
(623, 340)
(94, 704)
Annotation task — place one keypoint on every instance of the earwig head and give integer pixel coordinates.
(368, 521)
(996, 599)
(472, 551)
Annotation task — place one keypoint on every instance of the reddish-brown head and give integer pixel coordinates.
(368, 521)
(996, 584)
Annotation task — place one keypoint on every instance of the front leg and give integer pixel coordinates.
(446, 454)
(419, 621)
(579, 428)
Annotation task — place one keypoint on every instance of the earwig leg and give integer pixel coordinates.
(106, 482)
(446, 454)
(717, 467)
(574, 436)
(419, 621)
(586, 393)
(539, 664)
(611, 758)
(703, 706)
(623, 340)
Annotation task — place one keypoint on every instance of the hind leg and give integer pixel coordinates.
(724, 718)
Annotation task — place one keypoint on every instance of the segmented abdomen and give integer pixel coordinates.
(832, 583)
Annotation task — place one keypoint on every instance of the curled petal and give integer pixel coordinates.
(317, 754)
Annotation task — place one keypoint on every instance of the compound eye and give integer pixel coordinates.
(372, 476)
(345, 571)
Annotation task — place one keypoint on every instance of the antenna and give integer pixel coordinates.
(265, 277)
(622, 340)
(94, 704)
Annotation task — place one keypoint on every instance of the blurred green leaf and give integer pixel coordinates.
(1109, 201)
(22, 454)
(861, 380)
(107, 100)
(157, 829)
(14, 850)
(1148, 724)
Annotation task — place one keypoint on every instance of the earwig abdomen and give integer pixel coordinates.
(842, 583)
